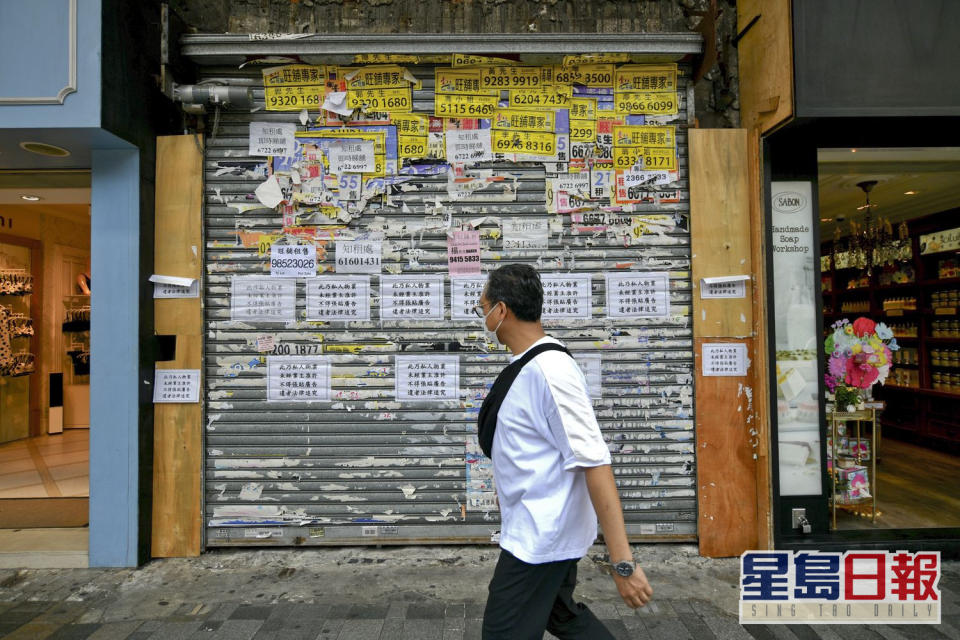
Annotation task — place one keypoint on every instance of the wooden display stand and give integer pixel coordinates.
(858, 417)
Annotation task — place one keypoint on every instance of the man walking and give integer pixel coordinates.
(552, 472)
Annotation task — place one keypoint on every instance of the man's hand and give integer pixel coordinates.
(635, 590)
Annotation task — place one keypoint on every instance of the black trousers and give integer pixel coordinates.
(526, 598)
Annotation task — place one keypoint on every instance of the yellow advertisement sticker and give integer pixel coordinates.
(646, 77)
(294, 75)
(551, 98)
(665, 159)
(461, 81)
(523, 120)
(466, 60)
(635, 102)
(266, 241)
(627, 157)
(542, 144)
(587, 58)
(463, 106)
(380, 99)
(377, 77)
(293, 98)
(510, 77)
(645, 136)
(385, 58)
(583, 109)
(596, 75)
(411, 124)
(583, 130)
(412, 146)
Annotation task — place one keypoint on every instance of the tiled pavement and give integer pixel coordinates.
(359, 596)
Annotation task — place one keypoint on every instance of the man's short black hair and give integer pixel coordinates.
(517, 286)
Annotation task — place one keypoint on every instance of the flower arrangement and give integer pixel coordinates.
(859, 355)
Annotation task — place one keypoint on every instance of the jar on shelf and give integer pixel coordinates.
(938, 381)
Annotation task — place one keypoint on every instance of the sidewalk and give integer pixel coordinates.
(403, 593)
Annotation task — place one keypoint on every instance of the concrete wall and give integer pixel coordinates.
(716, 94)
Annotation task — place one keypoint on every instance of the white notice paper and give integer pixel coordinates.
(161, 290)
(724, 287)
(638, 294)
(263, 299)
(272, 139)
(406, 297)
(338, 298)
(352, 157)
(522, 234)
(298, 378)
(358, 256)
(566, 295)
(180, 386)
(293, 261)
(464, 296)
(590, 364)
(269, 192)
(724, 359)
(428, 377)
(468, 145)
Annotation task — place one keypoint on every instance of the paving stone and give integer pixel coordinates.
(251, 612)
(7, 627)
(453, 623)
(33, 631)
(422, 629)
(139, 635)
(175, 630)
(367, 612)
(695, 625)
(474, 610)
(760, 631)
(397, 610)
(425, 611)
(63, 613)
(604, 610)
(392, 628)
(802, 631)
(330, 629)
(726, 627)
(618, 629)
(115, 630)
(74, 632)
(361, 629)
(665, 627)
(223, 611)
(90, 616)
(453, 634)
(918, 631)
(233, 630)
(472, 629)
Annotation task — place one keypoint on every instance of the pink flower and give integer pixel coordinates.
(837, 366)
(864, 327)
(860, 374)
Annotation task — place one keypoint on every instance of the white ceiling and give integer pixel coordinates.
(934, 173)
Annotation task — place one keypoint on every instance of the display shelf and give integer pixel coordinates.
(941, 340)
(836, 418)
(940, 282)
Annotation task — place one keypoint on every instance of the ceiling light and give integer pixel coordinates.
(44, 149)
(910, 193)
(824, 219)
(30, 198)
(853, 150)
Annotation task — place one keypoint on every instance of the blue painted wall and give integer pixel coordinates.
(114, 363)
(34, 61)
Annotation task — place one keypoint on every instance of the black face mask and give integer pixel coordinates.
(487, 421)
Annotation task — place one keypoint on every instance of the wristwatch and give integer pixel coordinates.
(624, 569)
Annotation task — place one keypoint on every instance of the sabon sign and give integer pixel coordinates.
(789, 202)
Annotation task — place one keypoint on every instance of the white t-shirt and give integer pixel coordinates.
(546, 434)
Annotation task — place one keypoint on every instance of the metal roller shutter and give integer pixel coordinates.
(365, 468)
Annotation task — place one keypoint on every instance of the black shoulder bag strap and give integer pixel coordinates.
(487, 421)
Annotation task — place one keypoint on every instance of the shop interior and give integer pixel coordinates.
(45, 285)
(901, 206)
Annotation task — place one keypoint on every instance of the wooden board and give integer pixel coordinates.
(178, 442)
(765, 53)
(726, 469)
(761, 361)
(720, 228)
